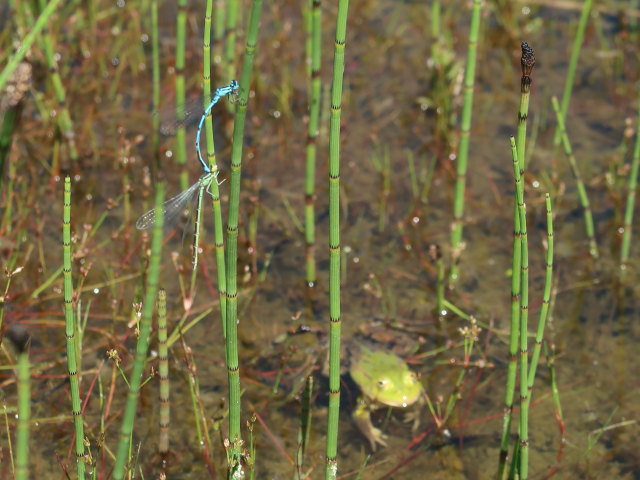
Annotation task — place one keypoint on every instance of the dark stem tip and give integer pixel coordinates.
(20, 337)
(528, 59)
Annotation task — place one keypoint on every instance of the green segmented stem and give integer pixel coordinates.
(155, 75)
(573, 63)
(546, 297)
(211, 160)
(463, 149)
(631, 198)
(582, 191)
(142, 345)
(163, 371)
(331, 465)
(181, 133)
(64, 119)
(21, 340)
(231, 259)
(527, 62)
(219, 15)
(28, 40)
(230, 32)
(312, 137)
(70, 332)
(523, 426)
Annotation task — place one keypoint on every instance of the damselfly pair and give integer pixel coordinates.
(173, 207)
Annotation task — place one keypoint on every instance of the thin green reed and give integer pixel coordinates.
(155, 62)
(70, 332)
(582, 192)
(21, 341)
(219, 13)
(527, 62)
(546, 297)
(523, 426)
(231, 33)
(142, 345)
(331, 466)
(573, 63)
(163, 372)
(28, 40)
(304, 431)
(181, 133)
(631, 199)
(312, 137)
(64, 118)
(231, 259)
(211, 160)
(463, 148)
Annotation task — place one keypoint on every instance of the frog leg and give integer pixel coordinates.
(414, 414)
(362, 417)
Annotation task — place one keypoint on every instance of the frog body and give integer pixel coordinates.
(385, 380)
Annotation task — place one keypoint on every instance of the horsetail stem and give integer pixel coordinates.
(21, 340)
(331, 466)
(573, 63)
(155, 75)
(523, 426)
(142, 345)
(546, 298)
(231, 260)
(64, 118)
(70, 332)
(181, 133)
(312, 138)
(463, 148)
(582, 192)
(527, 62)
(631, 198)
(163, 371)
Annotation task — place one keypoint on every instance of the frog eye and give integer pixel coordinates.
(382, 383)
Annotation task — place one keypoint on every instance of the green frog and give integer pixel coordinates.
(385, 380)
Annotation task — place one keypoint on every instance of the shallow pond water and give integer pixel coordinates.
(392, 112)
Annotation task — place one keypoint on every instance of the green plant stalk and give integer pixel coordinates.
(28, 40)
(181, 133)
(463, 148)
(527, 62)
(546, 297)
(163, 372)
(70, 332)
(551, 365)
(523, 426)
(219, 15)
(331, 465)
(64, 119)
(196, 239)
(214, 189)
(231, 259)
(304, 431)
(24, 417)
(631, 196)
(582, 192)
(128, 419)
(312, 139)
(9, 122)
(514, 331)
(231, 29)
(155, 75)
(573, 63)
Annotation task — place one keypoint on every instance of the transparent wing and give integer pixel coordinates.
(172, 208)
